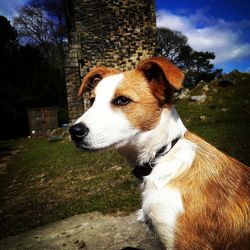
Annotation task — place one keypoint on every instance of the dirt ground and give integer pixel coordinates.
(92, 231)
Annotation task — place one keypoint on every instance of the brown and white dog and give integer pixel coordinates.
(193, 195)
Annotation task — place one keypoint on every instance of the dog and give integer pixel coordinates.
(193, 195)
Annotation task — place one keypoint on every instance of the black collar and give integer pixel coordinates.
(140, 171)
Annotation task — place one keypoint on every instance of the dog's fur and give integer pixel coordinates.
(196, 197)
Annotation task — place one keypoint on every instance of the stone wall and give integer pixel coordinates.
(113, 33)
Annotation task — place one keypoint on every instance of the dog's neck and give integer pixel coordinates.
(145, 145)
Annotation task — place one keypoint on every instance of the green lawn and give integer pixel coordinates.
(49, 181)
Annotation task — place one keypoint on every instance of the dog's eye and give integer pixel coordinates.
(121, 101)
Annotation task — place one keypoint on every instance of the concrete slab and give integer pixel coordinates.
(92, 231)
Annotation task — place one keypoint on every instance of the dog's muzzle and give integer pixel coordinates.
(78, 131)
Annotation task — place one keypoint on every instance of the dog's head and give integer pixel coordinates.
(125, 104)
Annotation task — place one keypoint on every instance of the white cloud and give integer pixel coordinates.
(209, 34)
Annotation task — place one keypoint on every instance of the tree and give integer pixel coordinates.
(42, 23)
(8, 34)
(27, 80)
(201, 61)
(196, 64)
(171, 43)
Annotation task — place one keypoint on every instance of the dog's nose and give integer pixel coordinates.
(78, 131)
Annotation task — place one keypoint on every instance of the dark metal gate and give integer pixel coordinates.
(42, 121)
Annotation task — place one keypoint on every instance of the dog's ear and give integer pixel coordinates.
(163, 77)
(93, 77)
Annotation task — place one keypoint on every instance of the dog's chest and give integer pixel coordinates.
(161, 208)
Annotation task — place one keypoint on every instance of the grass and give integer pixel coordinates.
(50, 181)
(227, 117)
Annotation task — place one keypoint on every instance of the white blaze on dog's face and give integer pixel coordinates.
(127, 104)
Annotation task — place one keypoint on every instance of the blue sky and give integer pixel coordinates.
(219, 26)
(8, 7)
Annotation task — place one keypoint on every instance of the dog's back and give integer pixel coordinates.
(215, 192)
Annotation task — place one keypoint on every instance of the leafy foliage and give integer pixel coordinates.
(173, 45)
(8, 34)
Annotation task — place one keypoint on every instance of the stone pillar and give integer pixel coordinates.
(112, 33)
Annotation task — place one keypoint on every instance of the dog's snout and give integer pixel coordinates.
(78, 131)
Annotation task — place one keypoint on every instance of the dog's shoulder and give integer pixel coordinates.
(215, 193)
